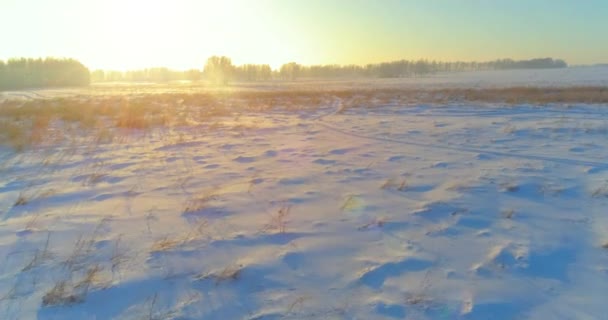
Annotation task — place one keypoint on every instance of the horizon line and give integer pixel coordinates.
(201, 66)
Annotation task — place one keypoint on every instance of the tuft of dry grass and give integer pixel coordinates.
(509, 129)
(197, 204)
(298, 302)
(165, 244)
(229, 273)
(83, 247)
(14, 135)
(31, 223)
(91, 276)
(22, 200)
(103, 136)
(93, 179)
(509, 187)
(601, 191)
(25, 197)
(508, 214)
(169, 243)
(350, 202)
(378, 222)
(39, 256)
(119, 257)
(402, 186)
(389, 183)
(61, 294)
(394, 184)
(420, 299)
(278, 221)
(66, 292)
(132, 118)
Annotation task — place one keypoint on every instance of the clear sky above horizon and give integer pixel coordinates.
(181, 34)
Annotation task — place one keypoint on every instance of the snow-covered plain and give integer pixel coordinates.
(545, 78)
(424, 211)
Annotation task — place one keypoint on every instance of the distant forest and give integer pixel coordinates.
(409, 68)
(42, 73)
(221, 70)
(24, 73)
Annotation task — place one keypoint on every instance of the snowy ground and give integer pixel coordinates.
(459, 211)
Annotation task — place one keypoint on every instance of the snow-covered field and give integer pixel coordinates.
(424, 211)
(544, 78)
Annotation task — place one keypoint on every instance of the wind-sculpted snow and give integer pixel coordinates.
(451, 211)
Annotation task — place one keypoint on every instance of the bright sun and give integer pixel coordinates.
(182, 34)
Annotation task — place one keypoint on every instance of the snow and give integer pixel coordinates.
(463, 211)
(546, 78)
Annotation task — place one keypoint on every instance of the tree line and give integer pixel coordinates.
(221, 70)
(217, 69)
(410, 68)
(145, 75)
(22, 73)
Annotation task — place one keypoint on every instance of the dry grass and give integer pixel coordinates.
(40, 255)
(165, 244)
(509, 187)
(509, 128)
(402, 186)
(601, 191)
(538, 95)
(377, 222)
(14, 135)
(22, 200)
(66, 292)
(399, 185)
(119, 257)
(61, 294)
(196, 232)
(83, 247)
(298, 302)
(350, 202)
(389, 183)
(26, 196)
(91, 277)
(93, 179)
(229, 273)
(508, 214)
(197, 204)
(278, 220)
(32, 222)
(38, 122)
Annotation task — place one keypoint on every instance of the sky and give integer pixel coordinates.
(182, 34)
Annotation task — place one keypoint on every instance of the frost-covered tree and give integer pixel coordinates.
(290, 70)
(21, 73)
(219, 69)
